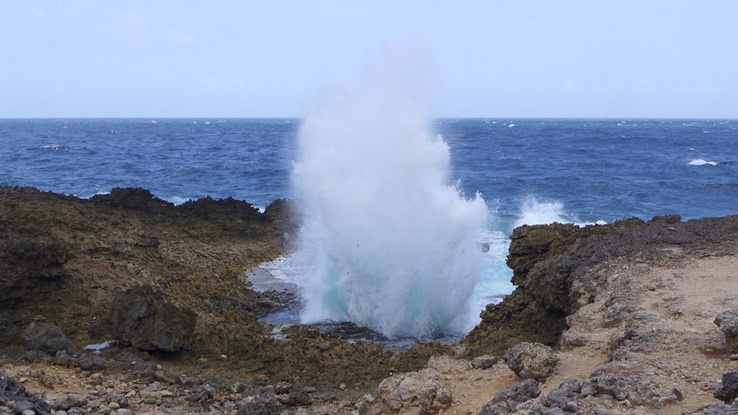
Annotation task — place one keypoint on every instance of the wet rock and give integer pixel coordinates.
(728, 323)
(46, 337)
(506, 402)
(728, 389)
(531, 360)
(140, 317)
(484, 362)
(259, 405)
(14, 391)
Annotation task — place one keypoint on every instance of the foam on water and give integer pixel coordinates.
(702, 162)
(387, 242)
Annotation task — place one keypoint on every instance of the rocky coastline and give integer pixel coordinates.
(633, 317)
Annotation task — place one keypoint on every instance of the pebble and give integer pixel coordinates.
(734, 356)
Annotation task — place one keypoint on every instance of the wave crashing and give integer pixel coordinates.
(387, 242)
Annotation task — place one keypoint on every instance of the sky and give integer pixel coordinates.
(522, 58)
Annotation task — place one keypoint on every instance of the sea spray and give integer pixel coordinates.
(388, 243)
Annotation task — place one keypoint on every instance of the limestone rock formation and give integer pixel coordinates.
(531, 360)
(728, 323)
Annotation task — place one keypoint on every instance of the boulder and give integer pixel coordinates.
(140, 317)
(728, 323)
(531, 360)
(410, 391)
(260, 405)
(484, 362)
(728, 389)
(46, 337)
(507, 401)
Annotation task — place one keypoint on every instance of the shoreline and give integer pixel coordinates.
(593, 294)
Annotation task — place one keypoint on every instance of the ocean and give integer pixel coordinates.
(528, 171)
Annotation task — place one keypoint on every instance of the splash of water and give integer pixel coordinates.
(388, 243)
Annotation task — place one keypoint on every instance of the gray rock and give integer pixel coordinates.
(507, 401)
(259, 405)
(721, 409)
(12, 390)
(444, 398)
(728, 323)
(484, 362)
(531, 360)
(572, 385)
(728, 389)
(140, 317)
(72, 401)
(46, 337)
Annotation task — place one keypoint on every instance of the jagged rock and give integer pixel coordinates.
(484, 362)
(72, 401)
(564, 396)
(260, 405)
(531, 360)
(625, 380)
(728, 323)
(14, 391)
(507, 401)
(414, 390)
(46, 337)
(131, 198)
(731, 409)
(140, 317)
(728, 389)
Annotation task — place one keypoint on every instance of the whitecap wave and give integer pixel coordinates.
(176, 200)
(702, 162)
(536, 212)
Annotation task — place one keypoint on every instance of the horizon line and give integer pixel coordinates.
(300, 118)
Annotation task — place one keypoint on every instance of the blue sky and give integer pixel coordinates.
(271, 58)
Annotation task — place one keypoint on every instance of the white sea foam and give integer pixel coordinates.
(702, 162)
(387, 242)
(177, 200)
(536, 212)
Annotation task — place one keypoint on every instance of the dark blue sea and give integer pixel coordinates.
(527, 170)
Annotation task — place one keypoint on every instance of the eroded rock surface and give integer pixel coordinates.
(728, 323)
(531, 360)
